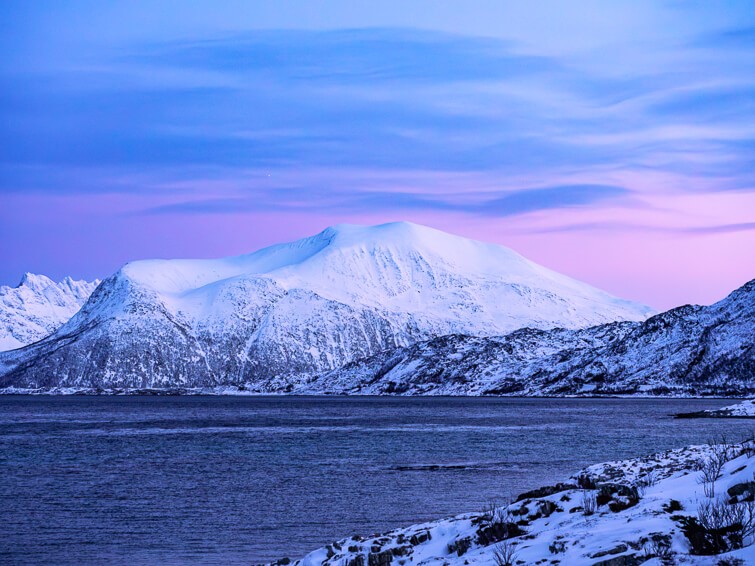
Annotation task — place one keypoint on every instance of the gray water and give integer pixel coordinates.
(237, 480)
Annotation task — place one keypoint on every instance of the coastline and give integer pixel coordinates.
(242, 392)
(648, 510)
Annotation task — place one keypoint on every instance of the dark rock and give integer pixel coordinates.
(419, 538)
(616, 550)
(626, 560)
(460, 546)
(380, 559)
(585, 482)
(498, 532)
(672, 506)
(617, 496)
(546, 508)
(557, 547)
(401, 550)
(545, 491)
(710, 541)
(746, 489)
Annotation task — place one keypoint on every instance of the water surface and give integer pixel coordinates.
(238, 480)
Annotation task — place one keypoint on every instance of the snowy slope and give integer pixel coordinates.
(652, 510)
(307, 306)
(397, 267)
(37, 307)
(685, 351)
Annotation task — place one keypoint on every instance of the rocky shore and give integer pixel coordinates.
(693, 505)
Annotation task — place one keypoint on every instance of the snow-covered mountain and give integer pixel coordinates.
(690, 350)
(299, 308)
(37, 307)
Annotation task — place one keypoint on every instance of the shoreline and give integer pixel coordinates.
(227, 392)
(645, 510)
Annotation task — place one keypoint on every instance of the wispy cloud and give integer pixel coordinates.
(371, 98)
(500, 204)
(354, 57)
(635, 119)
(649, 228)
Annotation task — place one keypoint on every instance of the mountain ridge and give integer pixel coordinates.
(690, 350)
(300, 308)
(38, 306)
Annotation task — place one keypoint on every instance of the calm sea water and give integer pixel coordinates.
(226, 480)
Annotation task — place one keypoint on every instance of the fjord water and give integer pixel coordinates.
(237, 480)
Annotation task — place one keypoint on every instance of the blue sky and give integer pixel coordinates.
(577, 133)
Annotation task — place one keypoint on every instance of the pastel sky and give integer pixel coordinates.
(611, 141)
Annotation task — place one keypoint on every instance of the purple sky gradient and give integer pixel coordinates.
(615, 144)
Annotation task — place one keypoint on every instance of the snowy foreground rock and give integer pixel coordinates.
(37, 307)
(688, 506)
(301, 308)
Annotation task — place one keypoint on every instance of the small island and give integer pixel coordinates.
(743, 410)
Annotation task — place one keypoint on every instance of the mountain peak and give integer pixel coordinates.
(398, 266)
(37, 306)
(35, 281)
(389, 231)
(311, 305)
(399, 240)
(401, 232)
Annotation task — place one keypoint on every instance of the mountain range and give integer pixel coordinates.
(38, 306)
(293, 311)
(687, 351)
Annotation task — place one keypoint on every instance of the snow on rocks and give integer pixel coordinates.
(652, 510)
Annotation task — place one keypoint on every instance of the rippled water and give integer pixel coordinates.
(226, 480)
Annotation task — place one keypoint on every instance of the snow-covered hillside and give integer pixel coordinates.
(299, 308)
(37, 307)
(688, 506)
(689, 350)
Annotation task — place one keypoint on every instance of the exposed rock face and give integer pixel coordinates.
(37, 307)
(690, 350)
(293, 310)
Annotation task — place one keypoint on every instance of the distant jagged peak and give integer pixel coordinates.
(35, 281)
(38, 306)
(39, 282)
